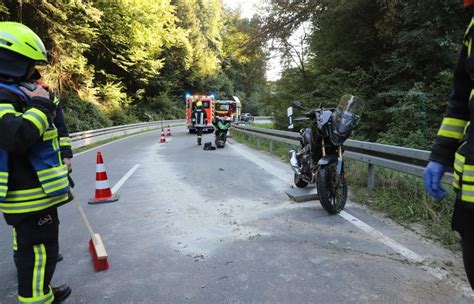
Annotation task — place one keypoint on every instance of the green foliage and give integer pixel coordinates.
(123, 61)
(409, 202)
(3, 9)
(82, 115)
(274, 148)
(165, 106)
(396, 55)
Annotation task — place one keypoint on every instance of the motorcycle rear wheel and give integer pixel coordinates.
(332, 189)
(220, 141)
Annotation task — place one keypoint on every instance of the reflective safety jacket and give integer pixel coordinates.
(454, 146)
(63, 133)
(32, 174)
(199, 117)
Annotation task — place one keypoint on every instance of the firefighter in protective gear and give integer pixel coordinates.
(199, 120)
(65, 142)
(454, 146)
(33, 176)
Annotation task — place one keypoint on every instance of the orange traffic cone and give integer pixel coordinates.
(169, 131)
(162, 139)
(103, 193)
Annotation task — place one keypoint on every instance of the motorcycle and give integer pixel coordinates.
(319, 158)
(222, 125)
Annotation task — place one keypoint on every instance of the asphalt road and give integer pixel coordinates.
(195, 226)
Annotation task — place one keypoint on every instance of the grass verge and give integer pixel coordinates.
(265, 125)
(278, 149)
(399, 196)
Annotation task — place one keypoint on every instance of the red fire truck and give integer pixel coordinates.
(225, 108)
(208, 102)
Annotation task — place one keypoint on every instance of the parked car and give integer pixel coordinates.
(247, 117)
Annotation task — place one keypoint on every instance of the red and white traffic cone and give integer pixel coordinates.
(103, 193)
(162, 139)
(169, 131)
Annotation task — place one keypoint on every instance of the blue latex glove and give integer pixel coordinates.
(432, 177)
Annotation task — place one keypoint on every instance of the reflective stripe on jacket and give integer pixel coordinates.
(199, 116)
(454, 145)
(3, 174)
(45, 158)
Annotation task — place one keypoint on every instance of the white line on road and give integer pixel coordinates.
(402, 250)
(282, 175)
(112, 142)
(381, 237)
(124, 179)
(277, 172)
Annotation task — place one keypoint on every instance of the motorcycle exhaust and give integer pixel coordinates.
(294, 161)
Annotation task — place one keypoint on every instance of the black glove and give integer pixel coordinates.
(43, 103)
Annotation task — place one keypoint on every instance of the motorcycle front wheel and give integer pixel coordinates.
(332, 189)
(299, 182)
(220, 141)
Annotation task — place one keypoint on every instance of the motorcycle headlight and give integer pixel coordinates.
(338, 139)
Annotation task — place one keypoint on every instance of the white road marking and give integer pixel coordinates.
(109, 143)
(381, 237)
(277, 172)
(113, 142)
(124, 179)
(283, 175)
(402, 250)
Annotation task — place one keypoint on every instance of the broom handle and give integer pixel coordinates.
(83, 215)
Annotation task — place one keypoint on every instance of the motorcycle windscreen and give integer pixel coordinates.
(347, 114)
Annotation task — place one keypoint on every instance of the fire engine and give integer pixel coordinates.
(226, 108)
(208, 102)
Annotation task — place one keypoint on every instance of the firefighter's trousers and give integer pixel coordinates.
(199, 133)
(35, 245)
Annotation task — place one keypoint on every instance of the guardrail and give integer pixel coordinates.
(84, 138)
(406, 160)
(81, 139)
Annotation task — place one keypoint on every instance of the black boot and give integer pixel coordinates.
(61, 293)
(199, 141)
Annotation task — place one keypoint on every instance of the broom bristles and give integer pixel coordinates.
(101, 264)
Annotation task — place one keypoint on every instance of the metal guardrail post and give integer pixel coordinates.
(258, 143)
(371, 177)
(270, 146)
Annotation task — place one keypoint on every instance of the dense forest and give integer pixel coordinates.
(397, 55)
(116, 62)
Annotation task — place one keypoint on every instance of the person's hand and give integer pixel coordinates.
(68, 162)
(54, 98)
(432, 177)
(43, 84)
(39, 91)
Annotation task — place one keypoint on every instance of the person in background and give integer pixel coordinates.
(199, 117)
(33, 177)
(455, 145)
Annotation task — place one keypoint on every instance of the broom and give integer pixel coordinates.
(96, 246)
